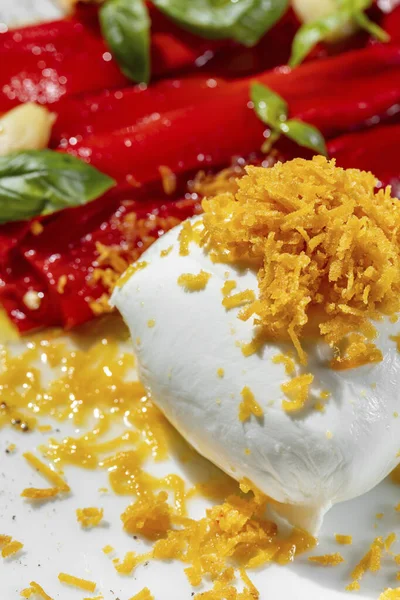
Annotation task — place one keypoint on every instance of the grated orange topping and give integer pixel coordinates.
(327, 560)
(194, 283)
(108, 549)
(249, 405)
(89, 517)
(345, 540)
(233, 533)
(168, 179)
(371, 561)
(167, 251)
(390, 594)
(40, 493)
(36, 228)
(52, 476)
(238, 299)
(144, 594)
(35, 590)
(188, 234)
(131, 270)
(82, 584)
(297, 391)
(148, 516)
(354, 586)
(220, 372)
(228, 287)
(9, 547)
(326, 246)
(287, 361)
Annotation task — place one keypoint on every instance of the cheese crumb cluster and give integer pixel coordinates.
(326, 246)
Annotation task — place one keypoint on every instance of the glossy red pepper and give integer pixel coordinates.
(374, 150)
(67, 246)
(336, 95)
(44, 63)
(115, 109)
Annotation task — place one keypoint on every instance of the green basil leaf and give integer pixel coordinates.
(258, 20)
(244, 21)
(373, 29)
(125, 24)
(43, 181)
(304, 135)
(312, 33)
(270, 107)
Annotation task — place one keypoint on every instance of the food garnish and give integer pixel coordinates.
(273, 111)
(323, 249)
(35, 182)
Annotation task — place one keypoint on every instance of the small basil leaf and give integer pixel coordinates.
(270, 108)
(270, 141)
(304, 135)
(42, 181)
(373, 29)
(258, 20)
(244, 21)
(312, 33)
(125, 24)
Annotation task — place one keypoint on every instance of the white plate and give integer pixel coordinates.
(54, 542)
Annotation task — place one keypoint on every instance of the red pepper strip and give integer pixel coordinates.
(67, 246)
(390, 22)
(374, 150)
(115, 109)
(46, 62)
(336, 95)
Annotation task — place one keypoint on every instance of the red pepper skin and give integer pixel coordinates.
(67, 246)
(336, 95)
(374, 150)
(46, 62)
(116, 109)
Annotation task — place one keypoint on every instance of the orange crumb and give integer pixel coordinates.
(390, 540)
(194, 283)
(35, 590)
(100, 306)
(40, 493)
(220, 372)
(131, 270)
(89, 517)
(251, 347)
(44, 428)
(249, 405)
(343, 539)
(168, 179)
(11, 548)
(297, 392)
(379, 515)
(390, 594)
(239, 299)
(228, 287)
(82, 584)
(188, 234)
(108, 549)
(327, 560)
(287, 361)
(36, 228)
(62, 282)
(151, 517)
(144, 594)
(53, 477)
(354, 586)
(151, 323)
(165, 252)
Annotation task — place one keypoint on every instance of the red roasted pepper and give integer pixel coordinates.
(67, 247)
(374, 150)
(336, 95)
(115, 109)
(43, 63)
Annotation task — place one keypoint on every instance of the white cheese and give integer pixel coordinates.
(306, 461)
